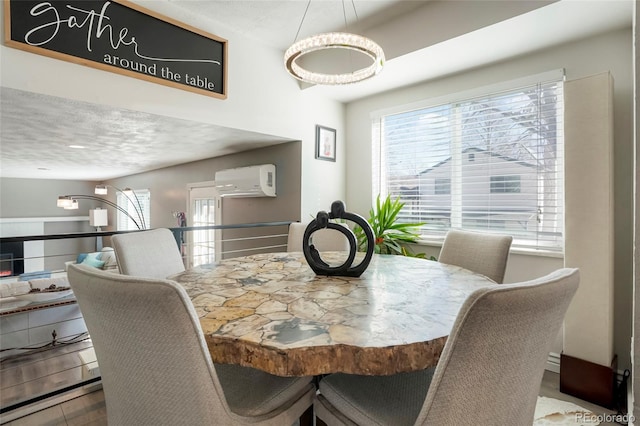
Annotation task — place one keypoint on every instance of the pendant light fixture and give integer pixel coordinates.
(334, 40)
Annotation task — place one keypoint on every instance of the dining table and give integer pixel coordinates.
(272, 312)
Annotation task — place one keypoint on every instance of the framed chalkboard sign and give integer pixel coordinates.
(121, 37)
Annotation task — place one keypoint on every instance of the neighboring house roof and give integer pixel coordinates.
(479, 150)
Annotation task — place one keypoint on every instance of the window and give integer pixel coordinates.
(442, 186)
(489, 161)
(505, 184)
(137, 204)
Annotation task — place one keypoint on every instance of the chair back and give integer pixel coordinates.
(483, 253)
(150, 254)
(154, 362)
(323, 239)
(491, 368)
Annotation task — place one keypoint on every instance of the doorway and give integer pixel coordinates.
(203, 209)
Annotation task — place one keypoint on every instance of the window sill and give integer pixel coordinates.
(515, 250)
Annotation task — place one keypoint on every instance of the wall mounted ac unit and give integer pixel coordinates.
(252, 181)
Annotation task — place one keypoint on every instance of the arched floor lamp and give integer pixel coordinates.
(70, 202)
(101, 189)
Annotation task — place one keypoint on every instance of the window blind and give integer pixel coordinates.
(132, 202)
(492, 162)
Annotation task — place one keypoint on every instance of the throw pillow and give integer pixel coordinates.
(108, 256)
(92, 260)
(81, 257)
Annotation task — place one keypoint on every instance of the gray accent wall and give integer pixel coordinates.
(168, 186)
(169, 194)
(22, 198)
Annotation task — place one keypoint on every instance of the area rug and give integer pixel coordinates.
(553, 412)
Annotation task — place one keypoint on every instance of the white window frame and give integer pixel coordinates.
(379, 171)
(210, 240)
(132, 203)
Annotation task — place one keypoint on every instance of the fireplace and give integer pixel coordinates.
(11, 259)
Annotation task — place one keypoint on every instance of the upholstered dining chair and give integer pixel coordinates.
(489, 372)
(155, 365)
(323, 240)
(479, 252)
(151, 254)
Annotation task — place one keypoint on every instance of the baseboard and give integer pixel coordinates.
(553, 365)
(553, 362)
(589, 381)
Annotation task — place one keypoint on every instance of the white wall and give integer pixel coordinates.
(262, 98)
(606, 52)
(589, 210)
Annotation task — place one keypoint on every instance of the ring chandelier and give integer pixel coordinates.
(333, 40)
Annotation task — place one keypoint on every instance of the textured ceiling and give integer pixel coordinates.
(116, 142)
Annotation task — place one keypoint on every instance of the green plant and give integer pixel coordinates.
(389, 234)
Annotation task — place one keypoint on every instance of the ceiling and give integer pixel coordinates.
(130, 142)
(275, 22)
(116, 142)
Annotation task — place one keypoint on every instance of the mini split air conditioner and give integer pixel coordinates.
(252, 181)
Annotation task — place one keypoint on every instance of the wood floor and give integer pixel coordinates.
(90, 409)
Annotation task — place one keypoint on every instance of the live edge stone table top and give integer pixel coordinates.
(272, 312)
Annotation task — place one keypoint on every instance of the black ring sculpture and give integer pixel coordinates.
(322, 222)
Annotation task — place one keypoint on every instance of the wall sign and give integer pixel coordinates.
(120, 37)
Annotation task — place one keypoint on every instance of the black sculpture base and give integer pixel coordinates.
(322, 221)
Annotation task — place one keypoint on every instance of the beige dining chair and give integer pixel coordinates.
(151, 254)
(489, 372)
(323, 239)
(479, 252)
(155, 365)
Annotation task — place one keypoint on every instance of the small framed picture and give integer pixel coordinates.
(325, 143)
